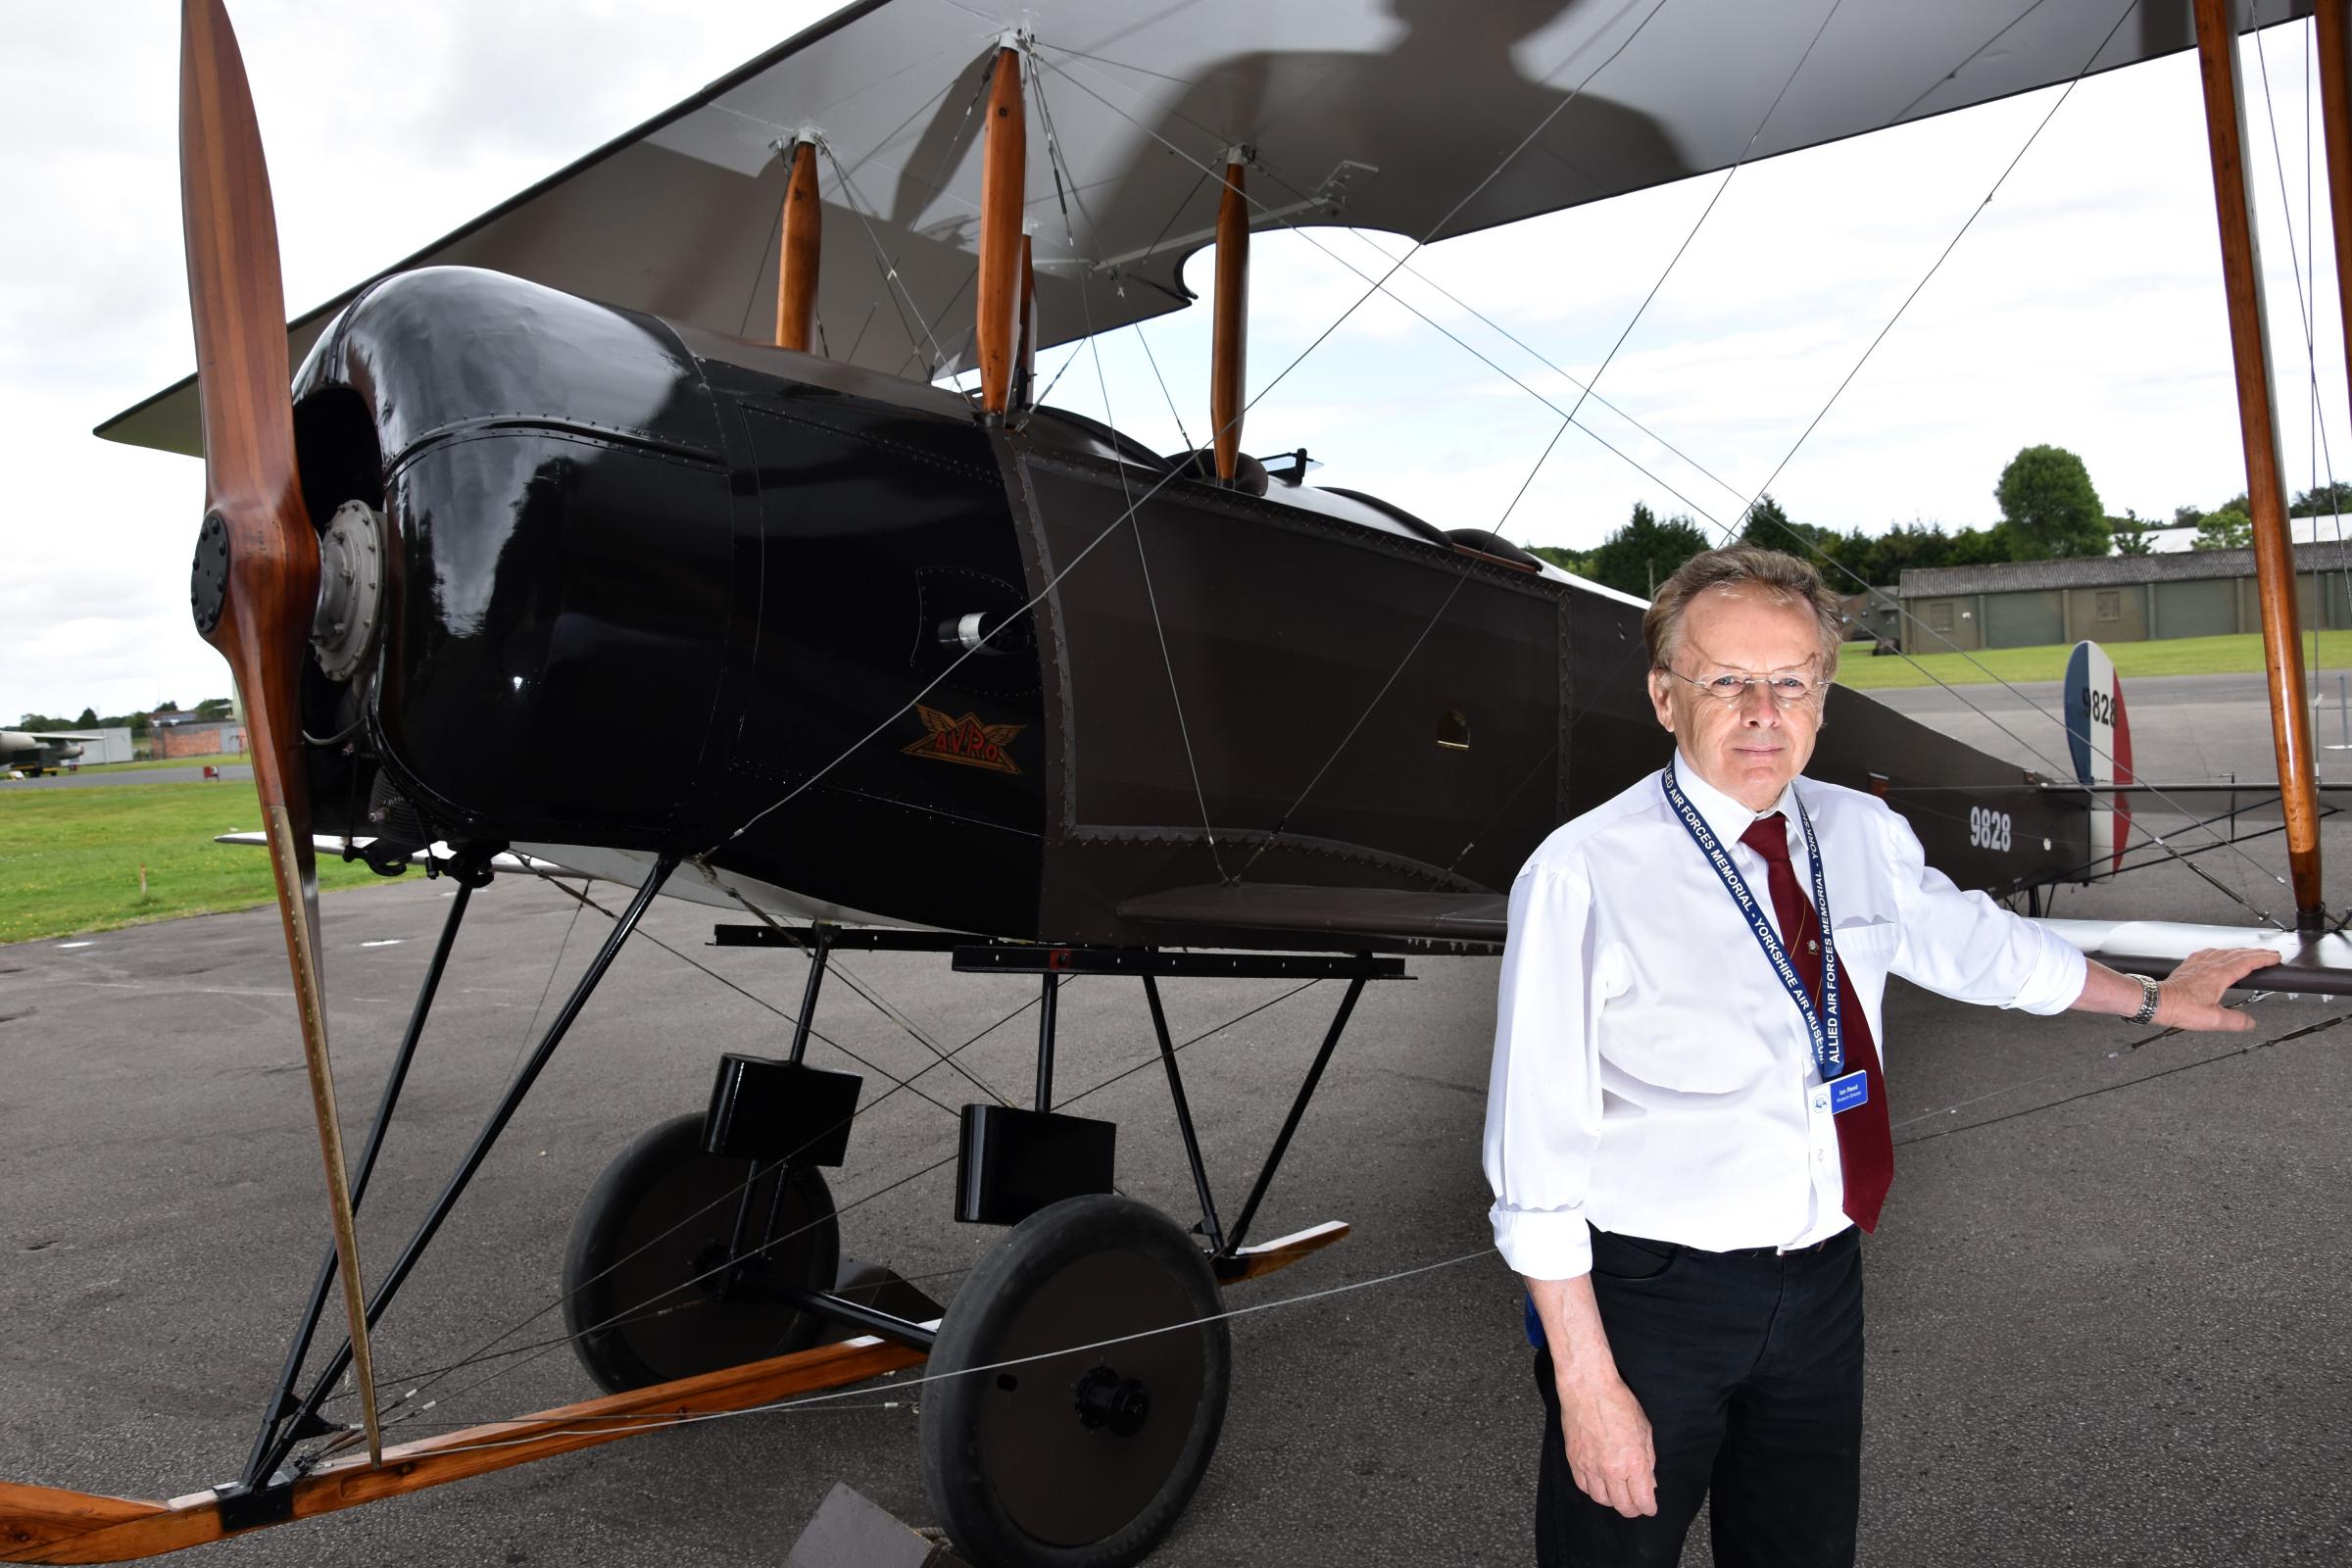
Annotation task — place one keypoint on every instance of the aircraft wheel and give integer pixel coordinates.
(1084, 1458)
(649, 1293)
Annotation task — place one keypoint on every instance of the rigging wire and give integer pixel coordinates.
(2248, 1050)
(1566, 421)
(840, 1395)
(488, 1352)
(943, 1057)
(1310, 237)
(1165, 479)
(1958, 695)
(2306, 308)
(1167, 660)
(897, 1083)
(882, 257)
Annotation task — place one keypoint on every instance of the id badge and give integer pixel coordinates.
(1849, 1091)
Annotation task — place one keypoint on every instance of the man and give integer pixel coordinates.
(1687, 1123)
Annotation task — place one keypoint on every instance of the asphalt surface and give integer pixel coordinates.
(101, 777)
(2107, 1301)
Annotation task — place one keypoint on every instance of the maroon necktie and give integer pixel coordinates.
(1865, 1141)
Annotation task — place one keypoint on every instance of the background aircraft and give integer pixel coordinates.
(34, 754)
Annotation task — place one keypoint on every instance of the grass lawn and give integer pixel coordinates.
(236, 759)
(2172, 656)
(69, 859)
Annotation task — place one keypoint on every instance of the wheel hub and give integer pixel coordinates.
(1107, 1399)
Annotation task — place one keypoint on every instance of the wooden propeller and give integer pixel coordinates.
(255, 588)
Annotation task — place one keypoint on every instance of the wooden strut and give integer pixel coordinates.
(2258, 426)
(798, 250)
(1004, 165)
(1229, 340)
(48, 1525)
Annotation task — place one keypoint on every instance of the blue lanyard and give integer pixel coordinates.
(1828, 1047)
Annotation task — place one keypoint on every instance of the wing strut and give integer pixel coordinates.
(2258, 425)
(797, 251)
(1230, 340)
(1004, 166)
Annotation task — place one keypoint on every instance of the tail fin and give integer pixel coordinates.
(2100, 735)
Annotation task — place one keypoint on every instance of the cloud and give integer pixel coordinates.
(2083, 307)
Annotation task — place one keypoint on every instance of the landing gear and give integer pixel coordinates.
(1038, 1454)
(676, 1267)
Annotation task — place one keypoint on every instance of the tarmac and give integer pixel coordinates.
(2107, 1299)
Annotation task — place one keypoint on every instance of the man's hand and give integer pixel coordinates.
(2190, 996)
(1609, 1451)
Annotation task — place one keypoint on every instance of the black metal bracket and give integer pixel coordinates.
(858, 939)
(826, 1303)
(1161, 963)
(1290, 1125)
(1184, 1117)
(244, 1506)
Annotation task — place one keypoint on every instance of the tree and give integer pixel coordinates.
(215, 707)
(2134, 533)
(1642, 554)
(2229, 528)
(1573, 561)
(1905, 546)
(1981, 547)
(2321, 501)
(2049, 506)
(1767, 525)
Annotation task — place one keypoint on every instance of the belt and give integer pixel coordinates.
(1758, 1253)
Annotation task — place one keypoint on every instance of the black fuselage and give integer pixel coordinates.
(602, 526)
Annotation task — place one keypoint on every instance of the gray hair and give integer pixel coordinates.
(1730, 570)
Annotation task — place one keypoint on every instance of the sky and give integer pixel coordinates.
(2083, 308)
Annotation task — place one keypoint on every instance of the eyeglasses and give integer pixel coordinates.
(1787, 688)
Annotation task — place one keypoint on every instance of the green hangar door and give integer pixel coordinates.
(2033, 618)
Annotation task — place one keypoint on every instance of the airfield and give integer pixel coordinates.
(2107, 1303)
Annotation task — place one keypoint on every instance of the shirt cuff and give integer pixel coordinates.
(1544, 1243)
(2058, 977)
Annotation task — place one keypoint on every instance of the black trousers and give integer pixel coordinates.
(1749, 1367)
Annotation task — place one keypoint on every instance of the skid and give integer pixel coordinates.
(45, 1523)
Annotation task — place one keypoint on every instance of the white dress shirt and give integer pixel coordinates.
(1652, 1074)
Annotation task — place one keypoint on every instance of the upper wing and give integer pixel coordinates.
(1423, 118)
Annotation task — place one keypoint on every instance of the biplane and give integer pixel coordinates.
(977, 675)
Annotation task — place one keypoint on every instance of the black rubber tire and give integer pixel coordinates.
(1009, 1482)
(657, 1219)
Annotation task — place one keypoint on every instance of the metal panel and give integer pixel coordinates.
(2036, 619)
(2115, 614)
(2201, 609)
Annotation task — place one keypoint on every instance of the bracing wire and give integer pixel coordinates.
(488, 1352)
(1379, 285)
(1143, 557)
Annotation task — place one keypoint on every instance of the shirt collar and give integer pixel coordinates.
(1725, 817)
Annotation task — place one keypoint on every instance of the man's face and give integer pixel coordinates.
(1753, 747)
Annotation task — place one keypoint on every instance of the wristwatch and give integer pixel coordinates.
(2150, 993)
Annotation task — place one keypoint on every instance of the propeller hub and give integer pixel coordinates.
(351, 590)
(207, 585)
